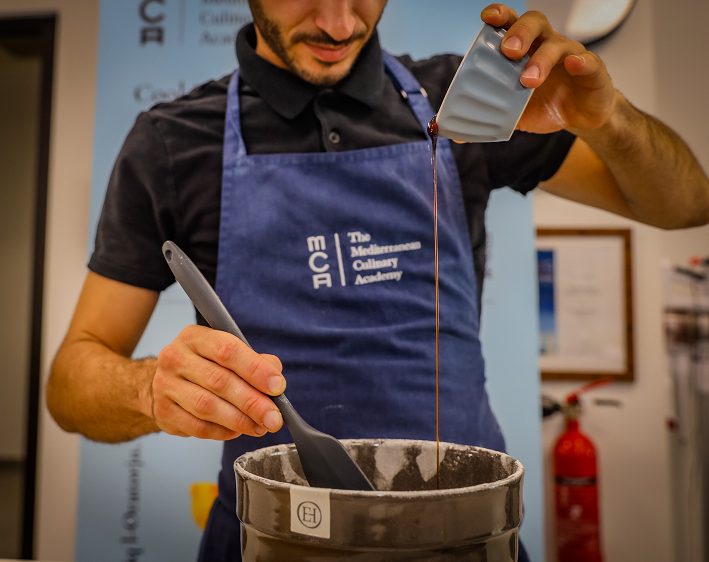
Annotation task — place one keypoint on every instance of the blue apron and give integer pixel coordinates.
(326, 260)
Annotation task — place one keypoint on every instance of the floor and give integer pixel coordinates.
(11, 490)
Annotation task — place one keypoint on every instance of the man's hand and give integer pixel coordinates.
(197, 391)
(191, 389)
(573, 88)
(623, 161)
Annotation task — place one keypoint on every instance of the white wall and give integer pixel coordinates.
(652, 62)
(682, 84)
(67, 231)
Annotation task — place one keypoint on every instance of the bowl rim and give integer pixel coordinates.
(409, 495)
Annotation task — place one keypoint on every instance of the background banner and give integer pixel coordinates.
(143, 500)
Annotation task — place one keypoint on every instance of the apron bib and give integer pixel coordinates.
(326, 260)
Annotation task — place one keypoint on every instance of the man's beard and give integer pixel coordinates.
(274, 38)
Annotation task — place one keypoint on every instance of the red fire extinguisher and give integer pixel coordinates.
(575, 473)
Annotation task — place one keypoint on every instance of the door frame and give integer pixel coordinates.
(42, 27)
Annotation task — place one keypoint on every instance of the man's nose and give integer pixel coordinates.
(335, 18)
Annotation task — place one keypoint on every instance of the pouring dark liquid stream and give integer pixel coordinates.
(433, 133)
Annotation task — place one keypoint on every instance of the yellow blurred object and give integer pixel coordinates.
(203, 496)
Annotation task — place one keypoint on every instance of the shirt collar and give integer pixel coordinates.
(288, 95)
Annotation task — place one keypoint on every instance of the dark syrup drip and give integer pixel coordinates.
(433, 133)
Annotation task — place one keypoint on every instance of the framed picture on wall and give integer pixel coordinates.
(585, 304)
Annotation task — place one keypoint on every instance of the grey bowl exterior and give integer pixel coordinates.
(486, 99)
(476, 516)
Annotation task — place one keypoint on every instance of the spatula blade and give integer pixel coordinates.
(326, 463)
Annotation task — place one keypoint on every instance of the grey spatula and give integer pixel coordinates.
(325, 462)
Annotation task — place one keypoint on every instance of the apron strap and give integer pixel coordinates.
(234, 146)
(410, 88)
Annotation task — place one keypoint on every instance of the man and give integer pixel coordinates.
(276, 179)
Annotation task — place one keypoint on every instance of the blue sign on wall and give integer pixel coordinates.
(137, 500)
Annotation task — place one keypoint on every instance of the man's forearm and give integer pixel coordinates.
(100, 394)
(656, 172)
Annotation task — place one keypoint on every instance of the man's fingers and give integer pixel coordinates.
(223, 384)
(188, 376)
(214, 377)
(550, 53)
(207, 406)
(184, 424)
(586, 64)
(525, 34)
(499, 15)
(532, 34)
(261, 372)
(273, 360)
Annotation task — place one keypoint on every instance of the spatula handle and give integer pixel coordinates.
(211, 307)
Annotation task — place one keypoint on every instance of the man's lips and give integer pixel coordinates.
(328, 53)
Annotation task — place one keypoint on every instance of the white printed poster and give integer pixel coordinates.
(581, 304)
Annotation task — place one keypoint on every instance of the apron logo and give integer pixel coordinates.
(371, 263)
(316, 243)
(359, 237)
(316, 247)
(321, 269)
(393, 276)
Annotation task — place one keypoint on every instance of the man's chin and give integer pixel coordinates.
(325, 74)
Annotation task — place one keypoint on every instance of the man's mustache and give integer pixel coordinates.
(324, 39)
